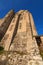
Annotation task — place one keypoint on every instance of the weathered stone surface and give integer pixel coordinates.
(9, 34)
(5, 23)
(33, 25)
(1, 21)
(20, 42)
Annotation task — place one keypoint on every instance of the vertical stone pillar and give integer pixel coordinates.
(5, 23)
(6, 41)
(23, 48)
(20, 38)
(23, 44)
(34, 32)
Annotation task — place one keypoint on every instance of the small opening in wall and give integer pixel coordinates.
(38, 40)
(1, 48)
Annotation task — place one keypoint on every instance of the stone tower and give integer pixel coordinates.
(20, 40)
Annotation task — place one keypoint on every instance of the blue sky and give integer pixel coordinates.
(34, 6)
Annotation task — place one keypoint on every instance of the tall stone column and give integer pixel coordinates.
(19, 41)
(5, 23)
(6, 41)
(24, 45)
(34, 32)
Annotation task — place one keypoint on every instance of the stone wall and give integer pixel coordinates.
(19, 42)
(5, 23)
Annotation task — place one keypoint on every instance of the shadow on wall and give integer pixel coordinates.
(38, 40)
(16, 27)
(1, 48)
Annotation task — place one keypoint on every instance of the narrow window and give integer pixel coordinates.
(38, 40)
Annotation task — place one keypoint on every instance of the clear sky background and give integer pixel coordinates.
(34, 6)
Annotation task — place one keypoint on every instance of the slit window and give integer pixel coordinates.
(38, 40)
